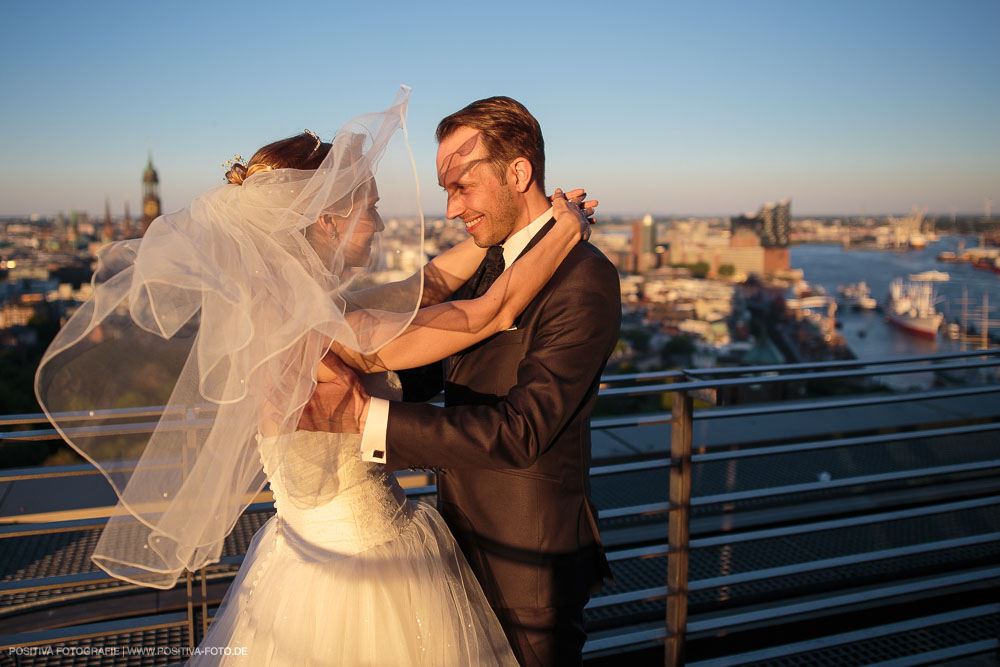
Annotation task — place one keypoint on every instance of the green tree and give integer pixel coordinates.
(676, 347)
(637, 338)
(699, 269)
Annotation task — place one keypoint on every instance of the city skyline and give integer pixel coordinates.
(710, 110)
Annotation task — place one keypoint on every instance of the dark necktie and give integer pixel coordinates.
(492, 268)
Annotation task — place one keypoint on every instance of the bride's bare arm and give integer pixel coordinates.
(446, 328)
(448, 271)
(442, 276)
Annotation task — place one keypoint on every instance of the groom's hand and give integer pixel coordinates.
(338, 406)
(569, 209)
(579, 197)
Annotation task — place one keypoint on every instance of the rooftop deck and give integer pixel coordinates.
(862, 527)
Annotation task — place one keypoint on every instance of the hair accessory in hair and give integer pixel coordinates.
(316, 137)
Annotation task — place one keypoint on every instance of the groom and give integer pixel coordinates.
(513, 440)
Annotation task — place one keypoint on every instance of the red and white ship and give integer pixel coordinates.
(911, 308)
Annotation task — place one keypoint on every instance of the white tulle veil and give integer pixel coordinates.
(220, 313)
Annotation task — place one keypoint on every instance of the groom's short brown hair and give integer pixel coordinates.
(508, 130)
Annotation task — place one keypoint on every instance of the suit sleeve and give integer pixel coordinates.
(423, 383)
(580, 323)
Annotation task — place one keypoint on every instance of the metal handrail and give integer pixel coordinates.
(837, 443)
(847, 363)
(916, 473)
(790, 448)
(809, 405)
(751, 375)
(784, 407)
(676, 510)
(810, 365)
(771, 379)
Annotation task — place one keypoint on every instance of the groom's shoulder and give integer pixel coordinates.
(587, 262)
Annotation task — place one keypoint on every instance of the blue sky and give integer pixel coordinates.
(670, 108)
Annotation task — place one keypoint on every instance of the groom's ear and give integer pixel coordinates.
(519, 174)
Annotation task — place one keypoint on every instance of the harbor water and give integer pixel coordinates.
(867, 333)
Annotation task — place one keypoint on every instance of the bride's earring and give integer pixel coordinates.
(333, 233)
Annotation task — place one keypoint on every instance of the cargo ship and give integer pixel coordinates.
(911, 308)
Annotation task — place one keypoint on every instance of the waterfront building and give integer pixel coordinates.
(759, 241)
(775, 223)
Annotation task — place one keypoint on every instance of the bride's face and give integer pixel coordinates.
(351, 229)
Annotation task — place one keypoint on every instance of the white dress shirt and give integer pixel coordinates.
(373, 447)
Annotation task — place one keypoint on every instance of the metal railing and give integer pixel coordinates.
(690, 516)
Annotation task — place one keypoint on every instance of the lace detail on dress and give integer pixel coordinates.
(327, 498)
(380, 507)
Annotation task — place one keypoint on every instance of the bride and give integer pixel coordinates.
(227, 313)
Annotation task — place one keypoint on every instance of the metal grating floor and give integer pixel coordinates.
(63, 554)
(47, 555)
(894, 647)
(154, 647)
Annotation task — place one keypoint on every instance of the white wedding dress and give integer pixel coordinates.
(349, 572)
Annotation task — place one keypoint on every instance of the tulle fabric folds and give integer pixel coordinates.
(217, 319)
(410, 601)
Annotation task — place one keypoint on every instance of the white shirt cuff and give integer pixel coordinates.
(373, 438)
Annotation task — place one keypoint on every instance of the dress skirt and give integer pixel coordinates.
(411, 600)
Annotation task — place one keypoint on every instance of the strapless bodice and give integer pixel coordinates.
(327, 498)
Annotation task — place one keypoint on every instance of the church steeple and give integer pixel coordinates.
(150, 195)
(108, 233)
(127, 226)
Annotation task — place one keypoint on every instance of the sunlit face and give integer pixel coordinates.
(352, 230)
(488, 207)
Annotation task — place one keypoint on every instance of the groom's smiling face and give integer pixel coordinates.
(488, 206)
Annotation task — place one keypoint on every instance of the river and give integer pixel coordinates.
(866, 332)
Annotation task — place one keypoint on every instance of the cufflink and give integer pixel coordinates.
(378, 455)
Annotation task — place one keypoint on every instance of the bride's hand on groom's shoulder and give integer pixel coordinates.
(339, 405)
(572, 205)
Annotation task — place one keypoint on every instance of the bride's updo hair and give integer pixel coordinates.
(303, 151)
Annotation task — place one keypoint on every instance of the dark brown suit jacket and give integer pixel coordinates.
(513, 440)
